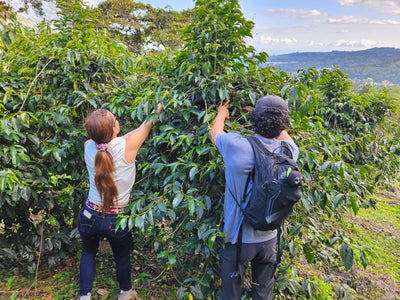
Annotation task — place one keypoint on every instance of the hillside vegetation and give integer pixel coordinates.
(379, 64)
(52, 76)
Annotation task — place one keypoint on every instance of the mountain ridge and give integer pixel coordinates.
(379, 63)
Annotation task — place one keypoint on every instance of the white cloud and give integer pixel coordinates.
(346, 2)
(362, 43)
(388, 6)
(300, 13)
(316, 44)
(358, 20)
(267, 40)
(315, 14)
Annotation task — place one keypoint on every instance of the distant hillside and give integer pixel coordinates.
(380, 64)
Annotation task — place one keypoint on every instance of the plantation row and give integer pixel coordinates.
(53, 76)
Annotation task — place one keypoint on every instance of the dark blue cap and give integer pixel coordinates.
(271, 103)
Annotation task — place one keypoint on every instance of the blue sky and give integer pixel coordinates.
(315, 25)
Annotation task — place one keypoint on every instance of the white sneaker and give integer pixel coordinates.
(128, 295)
(87, 297)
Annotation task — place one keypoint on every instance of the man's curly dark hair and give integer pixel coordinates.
(269, 123)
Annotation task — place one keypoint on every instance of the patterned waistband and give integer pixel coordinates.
(112, 210)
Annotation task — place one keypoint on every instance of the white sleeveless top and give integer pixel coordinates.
(124, 175)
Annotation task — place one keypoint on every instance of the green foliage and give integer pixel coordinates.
(216, 37)
(302, 288)
(47, 89)
(52, 77)
(343, 109)
(10, 29)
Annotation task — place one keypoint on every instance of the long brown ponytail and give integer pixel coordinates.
(99, 126)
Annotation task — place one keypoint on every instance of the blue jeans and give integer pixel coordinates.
(92, 226)
(263, 259)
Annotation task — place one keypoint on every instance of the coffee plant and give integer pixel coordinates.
(50, 79)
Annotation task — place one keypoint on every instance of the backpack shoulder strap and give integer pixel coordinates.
(257, 145)
(286, 149)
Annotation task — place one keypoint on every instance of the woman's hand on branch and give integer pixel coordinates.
(159, 108)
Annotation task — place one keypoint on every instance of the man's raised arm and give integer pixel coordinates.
(218, 124)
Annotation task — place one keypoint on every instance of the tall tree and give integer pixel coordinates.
(166, 26)
(126, 20)
(143, 27)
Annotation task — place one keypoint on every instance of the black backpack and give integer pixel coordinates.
(276, 187)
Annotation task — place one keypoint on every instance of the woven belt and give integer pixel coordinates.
(111, 210)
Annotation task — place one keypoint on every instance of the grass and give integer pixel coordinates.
(379, 231)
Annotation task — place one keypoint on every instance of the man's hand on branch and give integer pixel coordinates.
(217, 125)
(223, 110)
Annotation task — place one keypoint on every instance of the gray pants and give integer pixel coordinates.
(263, 259)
